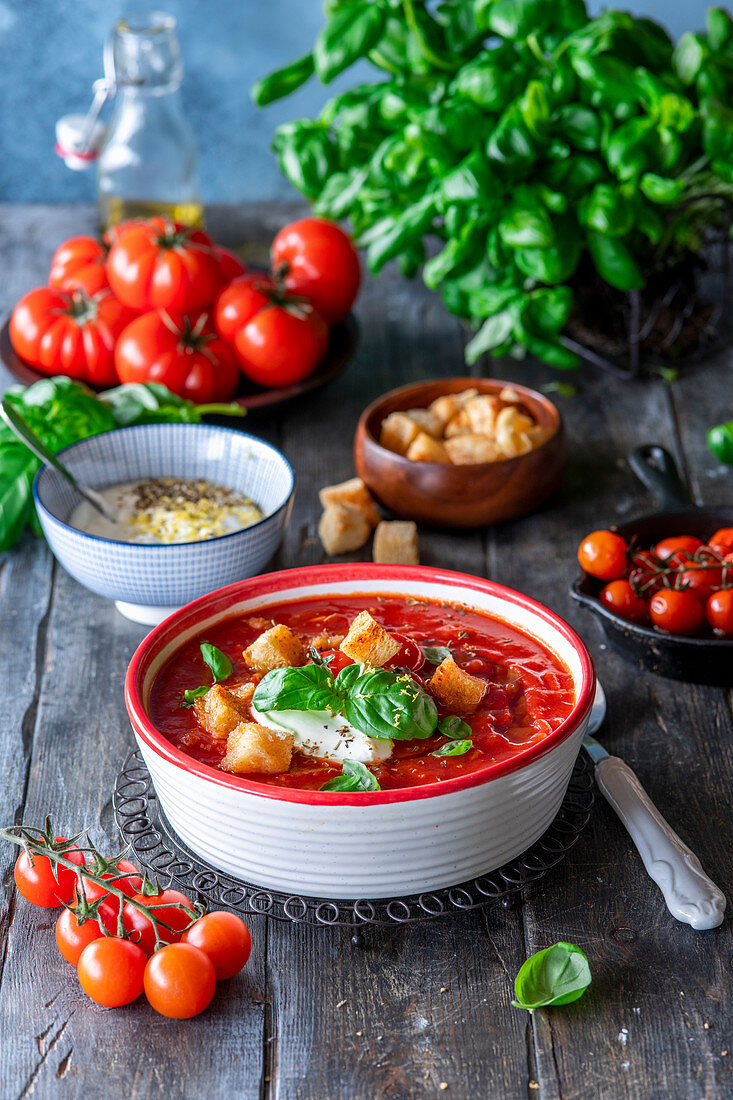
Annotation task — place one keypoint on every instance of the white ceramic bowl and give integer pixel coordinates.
(382, 844)
(148, 582)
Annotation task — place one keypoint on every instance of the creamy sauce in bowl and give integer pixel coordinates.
(167, 510)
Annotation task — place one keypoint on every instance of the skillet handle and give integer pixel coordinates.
(657, 470)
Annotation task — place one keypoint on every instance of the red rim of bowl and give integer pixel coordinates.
(271, 584)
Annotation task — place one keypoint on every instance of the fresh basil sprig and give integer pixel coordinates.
(218, 662)
(193, 693)
(305, 687)
(381, 703)
(354, 777)
(454, 727)
(453, 748)
(556, 976)
(435, 654)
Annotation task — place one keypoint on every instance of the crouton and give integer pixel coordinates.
(467, 450)
(397, 432)
(450, 404)
(511, 432)
(426, 449)
(510, 396)
(427, 421)
(343, 527)
(244, 691)
(457, 425)
(255, 748)
(219, 711)
(327, 641)
(369, 642)
(278, 647)
(395, 543)
(481, 412)
(353, 492)
(455, 688)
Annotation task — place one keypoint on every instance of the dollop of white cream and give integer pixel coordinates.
(325, 735)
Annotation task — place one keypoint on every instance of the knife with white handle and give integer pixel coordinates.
(690, 895)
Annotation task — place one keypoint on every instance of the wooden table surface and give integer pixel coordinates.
(421, 1011)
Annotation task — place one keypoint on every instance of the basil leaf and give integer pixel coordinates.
(435, 654)
(454, 727)
(350, 33)
(218, 662)
(282, 82)
(193, 693)
(306, 687)
(354, 777)
(453, 748)
(381, 703)
(347, 677)
(556, 976)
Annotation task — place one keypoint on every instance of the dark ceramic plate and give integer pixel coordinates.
(341, 348)
(697, 660)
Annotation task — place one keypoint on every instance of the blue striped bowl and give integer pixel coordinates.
(147, 582)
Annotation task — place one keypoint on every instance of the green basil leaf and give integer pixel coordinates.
(381, 703)
(607, 210)
(17, 468)
(193, 693)
(283, 81)
(720, 442)
(305, 687)
(454, 727)
(347, 677)
(350, 33)
(556, 976)
(614, 261)
(580, 126)
(453, 748)
(354, 777)
(688, 57)
(492, 334)
(720, 28)
(218, 662)
(436, 654)
(663, 191)
(306, 154)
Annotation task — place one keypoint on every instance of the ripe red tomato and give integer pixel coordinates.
(225, 938)
(336, 660)
(645, 573)
(79, 263)
(111, 971)
(72, 937)
(161, 264)
(620, 597)
(277, 341)
(231, 265)
(182, 352)
(165, 910)
(410, 655)
(318, 261)
(722, 540)
(719, 610)
(602, 554)
(676, 610)
(34, 878)
(180, 981)
(69, 333)
(703, 582)
(133, 880)
(688, 544)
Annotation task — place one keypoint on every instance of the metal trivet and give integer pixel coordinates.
(158, 850)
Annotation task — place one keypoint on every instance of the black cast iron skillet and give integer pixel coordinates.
(698, 660)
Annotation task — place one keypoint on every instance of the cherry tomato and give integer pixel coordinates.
(79, 263)
(131, 883)
(180, 981)
(69, 333)
(161, 264)
(277, 340)
(619, 596)
(688, 544)
(111, 971)
(141, 931)
(719, 610)
(35, 879)
(676, 610)
(722, 540)
(337, 660)
(318, 260)
(645, 573)
(225, 938)
(410, 655)
(182, 352)
(166, 911)
(703, 582)
(602, 554)
(72, 937)
(230, 263)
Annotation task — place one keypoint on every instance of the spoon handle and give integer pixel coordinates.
(690, 895)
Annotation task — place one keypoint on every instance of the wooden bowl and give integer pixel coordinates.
(459, 496)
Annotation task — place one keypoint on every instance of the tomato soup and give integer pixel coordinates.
(528, 692)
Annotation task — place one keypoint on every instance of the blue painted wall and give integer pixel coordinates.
(52, 51)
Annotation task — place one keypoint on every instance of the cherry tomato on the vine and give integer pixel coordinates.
(703, 582)
(619, 596)
(165, 909)
(602, 554)
(79, 262)
(161, 264)
(35, 879)
(646, 573)
(676, 610)
(132, 881)
(231, 265)
(180, 981)
(317, 260)
(336, 660)
(225, 938)
(687, 544)
(72, 936)
(111, 971)
(719, 610)
(722, 540)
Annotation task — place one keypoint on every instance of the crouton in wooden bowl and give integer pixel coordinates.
(461, 452)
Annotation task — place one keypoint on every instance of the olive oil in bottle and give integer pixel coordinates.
(114, 209)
